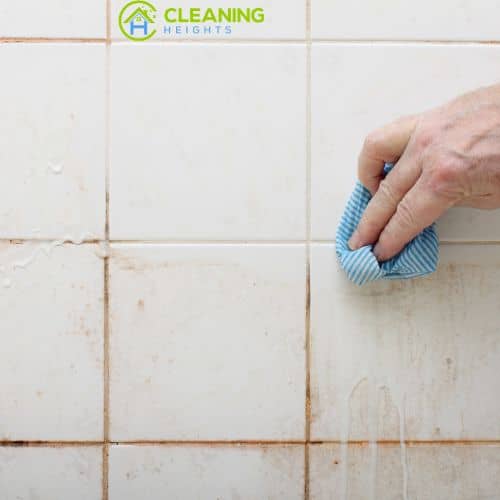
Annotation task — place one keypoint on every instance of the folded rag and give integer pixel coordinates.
(419, 257)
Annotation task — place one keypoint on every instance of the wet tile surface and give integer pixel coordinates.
(393, 472)
(416, 358)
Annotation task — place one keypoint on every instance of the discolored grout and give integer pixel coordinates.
(308, 255)
(106, 341)
(239, 442)
(49, 444)
(210, 443)
(50, 40)
(256, 41)
(20, 241)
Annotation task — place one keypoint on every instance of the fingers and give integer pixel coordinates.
(385, 145)
(384, 203)
(416, 211)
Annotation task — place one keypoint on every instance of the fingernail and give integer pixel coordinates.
(355, 241)
(377, 251)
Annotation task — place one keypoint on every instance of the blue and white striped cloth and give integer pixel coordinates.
(418, 258)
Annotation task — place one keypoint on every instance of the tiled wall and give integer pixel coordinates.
(174, 324)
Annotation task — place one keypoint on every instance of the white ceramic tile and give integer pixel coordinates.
(405, 20)
(418, 359)
(283, 19)
(53, 18)
(207, 342)
(196, 472)
(51, 357)
(52, 141)
(354, 92)
(50, 473)
(224, 159)
(356, 473)
(458, 472)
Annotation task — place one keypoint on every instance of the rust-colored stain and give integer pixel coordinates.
(140, 305)
(50, 40)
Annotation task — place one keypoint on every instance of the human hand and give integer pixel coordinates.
(445, 157)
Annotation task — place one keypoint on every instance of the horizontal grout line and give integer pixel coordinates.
(229, 442)
(411, 442)
(239, 442)
(211, 41)
(51, 40)
(406, 41)
(49, 444)
(441, 242)
(209, 242)
(22, 241)
(256, 41)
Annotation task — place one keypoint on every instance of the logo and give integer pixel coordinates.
(137, 20)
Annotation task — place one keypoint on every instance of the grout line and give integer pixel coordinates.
(251, 41)
(215, 41)
(441, 242)
(49, 444)
(22, 241)
(50, 40)
(106, 383)
(308, 256)
(411, 442)
(250, 442)
(209, 242)
(401, 41)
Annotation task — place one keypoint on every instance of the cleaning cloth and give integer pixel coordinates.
(418, 258)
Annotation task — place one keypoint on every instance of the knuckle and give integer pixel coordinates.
(405, 215)
(386, 193)
(374, 141)
(443, 173)
(424, 136)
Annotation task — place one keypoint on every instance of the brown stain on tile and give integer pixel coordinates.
(140, 305)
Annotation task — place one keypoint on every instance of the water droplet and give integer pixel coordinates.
(55, 167)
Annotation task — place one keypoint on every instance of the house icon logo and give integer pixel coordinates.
(137, 20)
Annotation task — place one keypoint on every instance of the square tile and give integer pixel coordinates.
(52, 141)
(281, 19)
(391, 472)
(405, 20)
(207, 342)
(357, 472)
(352, 95)
(58, 473)
(178, 473)
(53, 18)
(226, 160)
(52, 342)
(416, 359)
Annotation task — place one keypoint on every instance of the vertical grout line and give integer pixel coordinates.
(308, 255)
(105, 448)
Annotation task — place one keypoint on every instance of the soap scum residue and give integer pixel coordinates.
(42, 248)
(374, 392)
